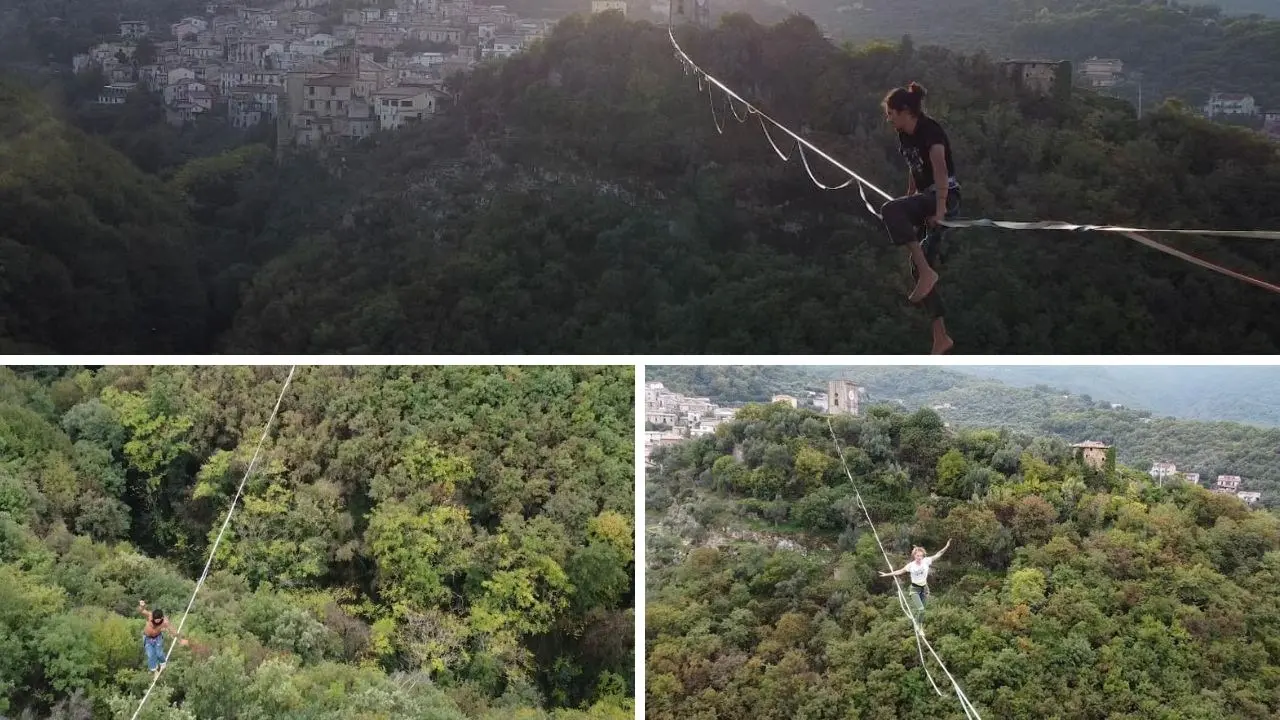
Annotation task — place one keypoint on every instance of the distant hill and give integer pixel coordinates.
(1269, 8)
(1184, 50)
(1207, 447)
(1241, 394)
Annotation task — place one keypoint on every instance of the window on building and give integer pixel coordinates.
(311, 90)
(311, 104)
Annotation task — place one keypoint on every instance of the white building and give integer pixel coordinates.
(115, 93)
(503, 46)
(1162, 472)
(395, 105)
(133, 29)
(599, 6)
(1230, 104)
(188, 26)
(182, 90)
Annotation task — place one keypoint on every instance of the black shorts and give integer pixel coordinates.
(905, 217)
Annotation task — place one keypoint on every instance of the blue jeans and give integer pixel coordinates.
(921, 593)
(154, 648)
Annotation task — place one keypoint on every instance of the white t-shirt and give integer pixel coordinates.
(920, 570)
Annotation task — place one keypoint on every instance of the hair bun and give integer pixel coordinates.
(915, 89)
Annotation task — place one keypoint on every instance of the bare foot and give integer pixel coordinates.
(924, 285)
(942, 348)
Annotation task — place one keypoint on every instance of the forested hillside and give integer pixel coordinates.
(579, 199)
(442, 543)
(1247, 394)
(1205, 447)
(1183, 50)
(1067, 592)
(659, 234)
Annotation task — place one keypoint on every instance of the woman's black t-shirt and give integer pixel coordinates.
(915, 149)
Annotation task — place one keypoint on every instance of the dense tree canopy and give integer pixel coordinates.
(440, 543)
(1067, 592)
(1206, 447)
(578, 198)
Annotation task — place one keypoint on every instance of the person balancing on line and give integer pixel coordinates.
(919, 569)
(933, 194)
(153, 636)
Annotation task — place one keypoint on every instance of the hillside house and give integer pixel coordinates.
(315, 45)
(152, 76)
(210, 72)
(361, 121)
(188, 26)
(380, 35)
(1162, 472)
(599, 6)
(1193, 478)
(1093, 453)
(225, 29)
(1038, 76)
(110, 52)
(180, 73)
(655, 440)
(660, 417)
(440, 34)
(202, 52)
(417, 75)
(233, 76)
(1228, 483)
(396, 105)
(134, 29)
(201, 101)
(1102, 72)
(326, 95)
(1238, 104)
(115, 93)
(182, 90)
(248, 105)
(305, 23)
(1249, 498)
(119, 73)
